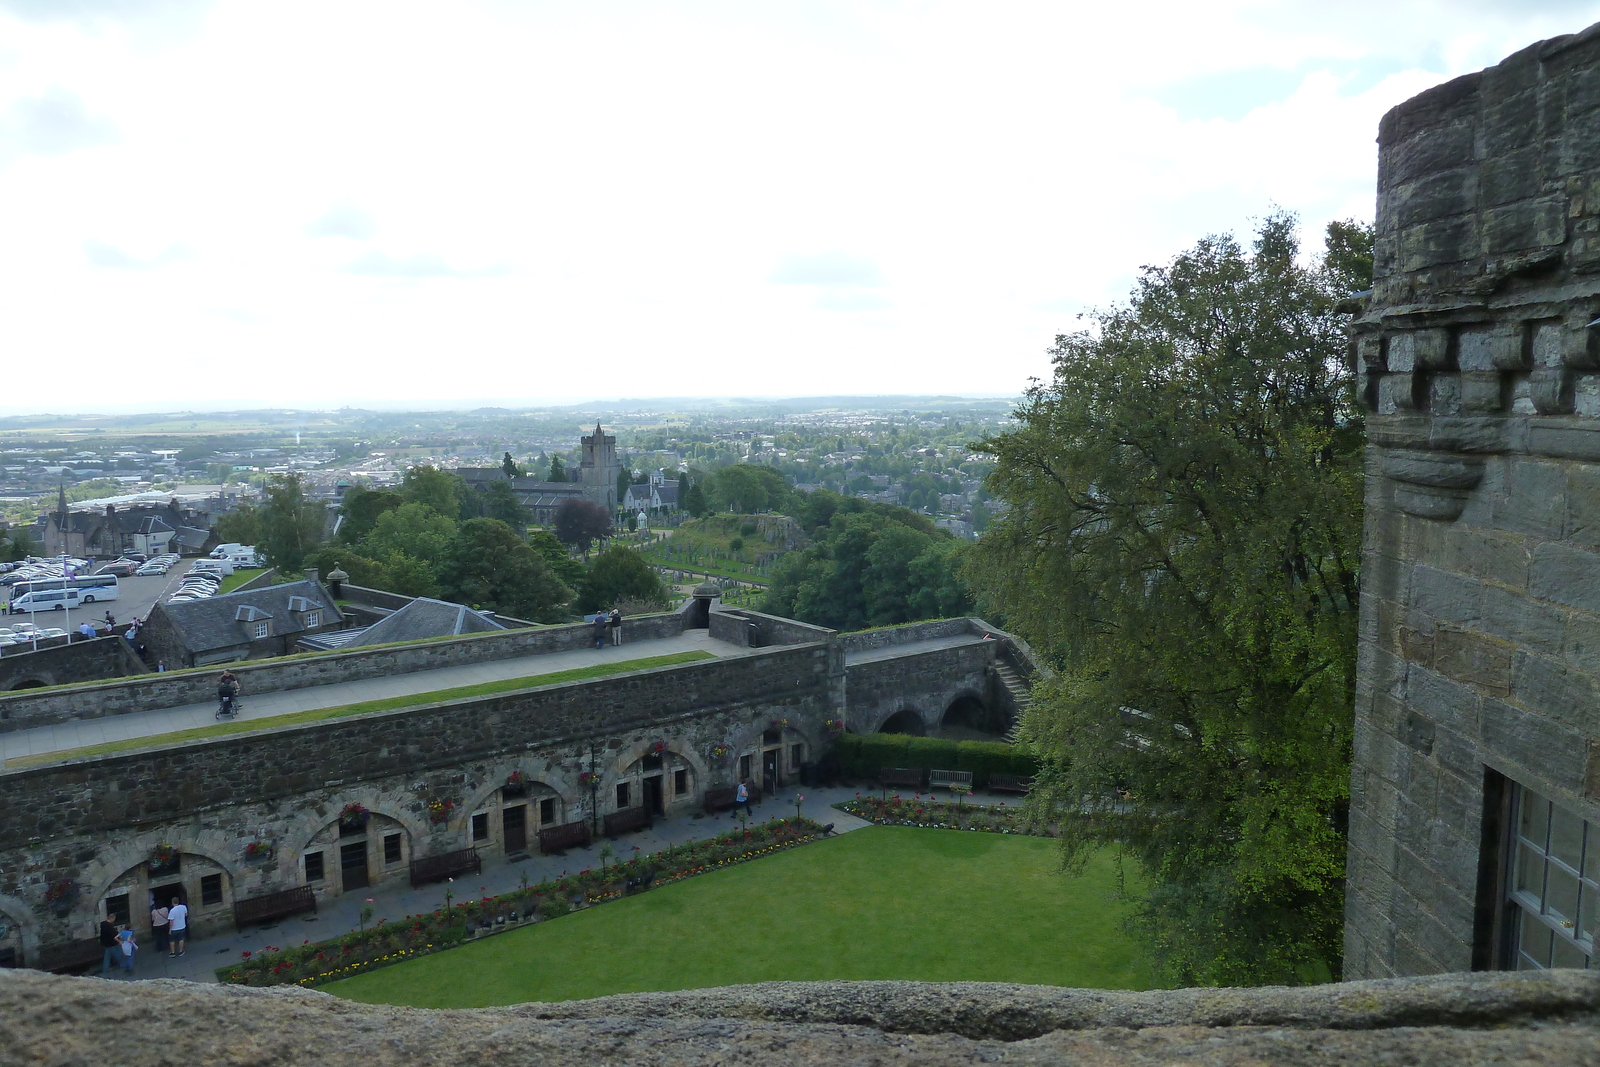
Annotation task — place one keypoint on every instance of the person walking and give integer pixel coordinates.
(111, 620)
(615, 622)
(108, 945)
(741, 796)
(601, 621)
(158, 925)
(129, 946)
(178, 921)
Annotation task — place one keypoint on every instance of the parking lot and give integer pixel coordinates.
(136, 596)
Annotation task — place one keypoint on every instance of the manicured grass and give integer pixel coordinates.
(883, 902)
(238, 578)
(242, 726)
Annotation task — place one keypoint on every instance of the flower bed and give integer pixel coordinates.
(944, 815)
(388, 943)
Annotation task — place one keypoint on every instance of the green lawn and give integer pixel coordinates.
(238, 578)
(883, 902)
(242, 726)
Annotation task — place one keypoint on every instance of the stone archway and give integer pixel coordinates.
(661, 779)
(204, 883)
(969, 718)
(904, 721)
(28, 683)
(21, 934)
(343, 857)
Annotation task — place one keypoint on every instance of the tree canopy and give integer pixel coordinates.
(580, 522)
(291, 525)
(615, 574)
(1181, 540)
(491, 566)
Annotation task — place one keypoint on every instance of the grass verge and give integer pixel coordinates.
(884, 902)
(340, 711)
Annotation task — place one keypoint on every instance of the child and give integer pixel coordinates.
(129, 947)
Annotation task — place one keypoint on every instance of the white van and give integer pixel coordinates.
(243, 557)
(220, 567)
(46, 600)
(223, 551)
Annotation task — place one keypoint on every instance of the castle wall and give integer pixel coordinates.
(1478, 696)
(63, 664)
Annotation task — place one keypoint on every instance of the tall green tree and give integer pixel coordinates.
(412, 530)
(558, 469)
(509, 466)
(291, 525)
(361, 508)
(616, 573)
(441, 490)
(491, 566)
(1182, 539)
(567, 569)
(241, 526)
(500, 502)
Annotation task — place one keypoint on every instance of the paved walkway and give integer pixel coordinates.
(396, 899)
(146, 723)
(873, 655)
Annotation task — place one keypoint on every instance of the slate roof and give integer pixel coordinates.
(422, 618)
(222, 621)
(192, 537)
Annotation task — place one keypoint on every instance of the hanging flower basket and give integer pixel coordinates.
(588, 777)
(354, 815)
(61, 896)
(439, 810)
(516, 780)
(257, 851)
(163, 857)
(658, 748)
(778, 724)
(833, 727)
(721, 752)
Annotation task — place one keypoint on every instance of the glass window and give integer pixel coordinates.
(391, 848)
(622, 795)
(680, 782)
(547, 811)
(313, 619)
(211, 889)
(1554, 905)
(480, 826)
(313, 866)
(261, 629)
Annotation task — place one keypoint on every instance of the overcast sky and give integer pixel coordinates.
(220, 204)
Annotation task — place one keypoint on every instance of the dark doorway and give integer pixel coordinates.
(903, 722)
(353, 865)
(652, 795)
(164, 893)
(769, 770)
(514, 823)
(966, 719)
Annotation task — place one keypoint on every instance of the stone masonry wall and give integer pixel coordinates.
(62, 664)
(927, 683)
(174, 689)
(1479, 656)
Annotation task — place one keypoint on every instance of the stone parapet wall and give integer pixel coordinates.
(65, 663)
(1479, 654)
(174, 689)
(926, 683)
(889, 636)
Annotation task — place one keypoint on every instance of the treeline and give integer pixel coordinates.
(436, 537)
(868, 564)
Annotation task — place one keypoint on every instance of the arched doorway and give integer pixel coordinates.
(356, 852)
(904, 722)
(663, 780)
(10, 941)
(200, 882)
(29, 683)
(968, 718)
(517, 811)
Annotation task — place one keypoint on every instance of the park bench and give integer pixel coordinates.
(949, 778)
(434, 868)
(720, 799)
(621, 822)
(1009, 783)
(567, 835)
(71, 956)
(269, 906)
(910, 777)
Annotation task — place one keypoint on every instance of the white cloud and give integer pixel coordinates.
(383, 192)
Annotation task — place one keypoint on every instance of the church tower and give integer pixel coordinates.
(601, 468)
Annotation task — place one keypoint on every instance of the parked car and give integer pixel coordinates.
(122, 568)
(152, 568)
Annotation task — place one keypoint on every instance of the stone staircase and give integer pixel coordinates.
(1021, 695)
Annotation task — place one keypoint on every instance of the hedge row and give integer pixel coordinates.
(865, 754)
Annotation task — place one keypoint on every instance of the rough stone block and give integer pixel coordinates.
(1523, 620)
(1567, 575)
(1429, 244)
(1491, 348)
(1534, 503)
(1549, 687)
(1485, 554)
(1414, 350)
(1473, 658)
(1580, 647)
(1437, 196)
(1509, 176)
(1528, 224)
(1446, 596)
(1535, 742)
(1428, 152)
(1443, 700)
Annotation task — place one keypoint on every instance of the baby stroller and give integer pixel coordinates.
(228, 700)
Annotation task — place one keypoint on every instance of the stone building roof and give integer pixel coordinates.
(221, 621)
(424, 618)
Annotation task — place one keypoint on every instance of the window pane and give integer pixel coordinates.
(1566, 838)
(1535, 817)
(1530, 872)
(1561, 894)
(1586, 912)
(1534, 940)
(1568, 956)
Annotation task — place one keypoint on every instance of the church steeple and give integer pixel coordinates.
(61, 504)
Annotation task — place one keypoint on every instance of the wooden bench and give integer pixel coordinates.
(567, 835)
(435, 868)
(278, 905)
(621, 822)
(949, 778)
(71, 956)
(720, 799)
(903, 776)
(1009, 783)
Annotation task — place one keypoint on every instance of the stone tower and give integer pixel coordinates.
(601, 468)
(1475, 791)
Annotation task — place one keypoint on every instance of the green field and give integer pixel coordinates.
(883, 902)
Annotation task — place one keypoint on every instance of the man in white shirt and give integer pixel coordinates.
(178, 922)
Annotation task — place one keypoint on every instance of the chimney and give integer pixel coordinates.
(311, 574)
